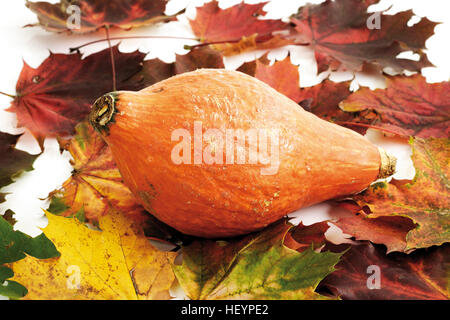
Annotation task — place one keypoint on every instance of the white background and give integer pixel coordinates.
(51, 169)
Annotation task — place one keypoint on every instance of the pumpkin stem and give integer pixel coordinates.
(388, 164)
(102, 111)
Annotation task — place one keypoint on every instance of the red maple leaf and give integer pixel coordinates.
(98, 14)
(421, 275)
(339, 33)
(409, 106)
(239, 24)
(301, 237)
(53, 98)
(389, 230)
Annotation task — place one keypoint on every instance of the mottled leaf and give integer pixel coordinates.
(53, 98)
(12, 160)
(425, 200)
(341, 32)
(14, 246)
(421, 275)
(409, 106)
(115, 263)
(238, 28)
(96, 185)
(59, 17)
(390, 231)
(257, 266)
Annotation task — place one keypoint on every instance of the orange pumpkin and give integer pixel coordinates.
(198, 152)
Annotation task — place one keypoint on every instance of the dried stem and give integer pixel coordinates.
(132, 37)
(356, 124)
(8, 95)
(113, 64)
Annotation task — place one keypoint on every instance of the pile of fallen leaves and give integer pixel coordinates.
(96, 244)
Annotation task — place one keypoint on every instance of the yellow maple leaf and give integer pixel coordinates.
(117, 262)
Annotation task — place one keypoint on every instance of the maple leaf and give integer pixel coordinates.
(115, 263)
(421, 275)
(257, 266)
(409, 106)
(424, 200)
(301, 237)
(14, 246)
(339, 34)
(95, 186)
(98, 14)
(283, 76)
(238, 27)
(390, 230)
(12, 160)
(56, 96)
(156, 70)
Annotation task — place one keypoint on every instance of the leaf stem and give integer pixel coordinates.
(8, 95)
(132, 37)
(357, 124)
(113, 64)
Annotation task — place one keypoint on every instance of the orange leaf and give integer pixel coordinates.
(237, 27)
(97, 14)
(409, 106)
(341, 34)
(96, 184)
(425, 200)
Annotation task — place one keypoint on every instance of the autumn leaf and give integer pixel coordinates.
(196, 59)
(409, 106)
(339, 33)
(421, 275)
(115, 263)
(56, 96)
(15, 246)
(390, 230)
(424, 200)
(156, 70)
(257, 266)
(283, 76)
(301, 237)
(59, 17)
(96, 185)
(238, 28)
(12, 160)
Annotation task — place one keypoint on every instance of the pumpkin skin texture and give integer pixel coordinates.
(318, 160)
